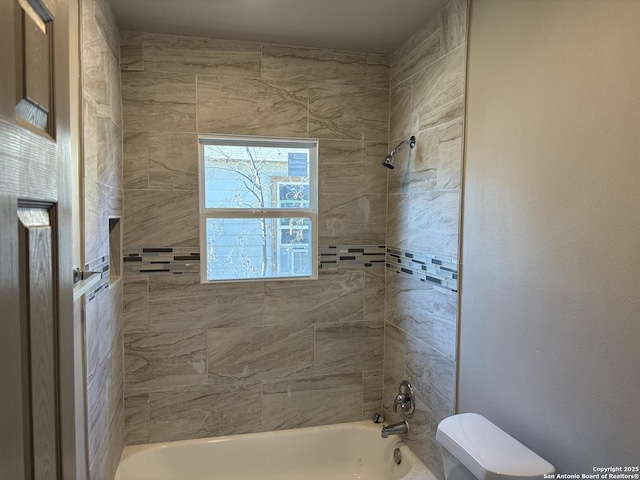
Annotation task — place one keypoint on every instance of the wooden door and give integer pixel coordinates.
(37, 412)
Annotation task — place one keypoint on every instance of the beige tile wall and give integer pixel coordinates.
(102, 158)
(204, 360)
(427, 100)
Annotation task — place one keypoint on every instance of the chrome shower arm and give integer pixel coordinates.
(397, 149)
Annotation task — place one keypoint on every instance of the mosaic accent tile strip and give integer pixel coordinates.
(99, 265)
(162, 260)
(424, 267)
(350, 257)
(178, 260)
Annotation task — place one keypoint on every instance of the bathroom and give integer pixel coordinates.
(521, 190)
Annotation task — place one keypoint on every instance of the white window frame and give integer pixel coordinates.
(279, 245)
(311, 212)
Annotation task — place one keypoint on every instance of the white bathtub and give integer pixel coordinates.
(334, 452)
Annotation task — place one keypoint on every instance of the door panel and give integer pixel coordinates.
(39, 329)
(34, 75)
(38, 436)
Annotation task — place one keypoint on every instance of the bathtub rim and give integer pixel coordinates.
(131, 450)
(417, 471)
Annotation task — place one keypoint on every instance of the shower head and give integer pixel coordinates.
(390, 160)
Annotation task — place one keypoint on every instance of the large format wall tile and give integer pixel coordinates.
(102, 177)
(404, 64)
(341, 167)
(434, 163)
(435, 220)
(348, 347)
(257, 353)
(394, 353)
(433, 378)
(204, 411)
(173, 161)
(438, 90)
(335, 111)
(135, 152)
(106, 21)
(441, 393)
(377, 71)
(115, 90)
(401, 117)
(348, 112)
(375, 174)
(426, 222)
(160, 217)
(333, 297)
(90, 112)
(96, 315)
(302, 64)
(96, 56)
(398, 226)
(136, 412)
(156, 359)
(109, 146)
(375, 117)
(411, 177)
(109, 445)
(97, 209)
(454, 25)
(232, 304)
(252, 106)
(440, 149)
(374, 296)
(153, 101)
(103, 327)
(180, 302)
(417, 372)
(174, 302)
(372, 383)
(131, 51)
(208, 56)
(135, 302)
(352, 219)
(423, 310)
(103, 148)
(104, 398)
(309, 401)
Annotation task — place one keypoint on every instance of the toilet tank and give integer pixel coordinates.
(485, 451)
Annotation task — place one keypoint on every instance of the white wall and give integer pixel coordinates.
(550, 311)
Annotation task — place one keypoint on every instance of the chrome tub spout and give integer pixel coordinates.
(399, 428)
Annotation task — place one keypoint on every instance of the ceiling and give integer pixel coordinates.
(374, 26)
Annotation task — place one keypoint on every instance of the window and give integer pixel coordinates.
(258, 208)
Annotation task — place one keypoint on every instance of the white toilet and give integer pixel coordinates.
(473, 448)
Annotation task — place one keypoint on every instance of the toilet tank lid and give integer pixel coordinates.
(487, 451)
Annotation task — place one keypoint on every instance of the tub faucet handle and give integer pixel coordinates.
(399, 400)
(405, 398)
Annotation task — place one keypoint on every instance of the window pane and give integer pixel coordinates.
(244, 248)
(256, 177)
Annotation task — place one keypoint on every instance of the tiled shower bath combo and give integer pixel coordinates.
(211, 360)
